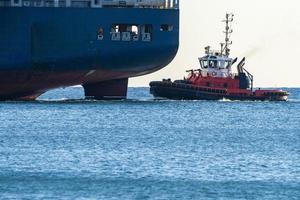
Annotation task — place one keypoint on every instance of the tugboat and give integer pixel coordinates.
(215, 79)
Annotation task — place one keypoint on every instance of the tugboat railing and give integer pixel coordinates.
(158, 4)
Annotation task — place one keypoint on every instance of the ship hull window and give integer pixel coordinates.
(166, 27)
(16, 2)
(96, 4)
(124, 32)
(146, 32)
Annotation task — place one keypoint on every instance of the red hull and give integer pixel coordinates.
(172, 90)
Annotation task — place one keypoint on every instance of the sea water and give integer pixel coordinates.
(63, 147)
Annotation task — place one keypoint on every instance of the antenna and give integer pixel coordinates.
(225, 46)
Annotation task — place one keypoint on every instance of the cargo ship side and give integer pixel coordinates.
(99, 44)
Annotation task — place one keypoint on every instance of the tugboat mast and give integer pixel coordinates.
(225, 46)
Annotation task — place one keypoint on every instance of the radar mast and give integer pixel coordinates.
(225, 50)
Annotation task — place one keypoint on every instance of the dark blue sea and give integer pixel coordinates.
(63, 147)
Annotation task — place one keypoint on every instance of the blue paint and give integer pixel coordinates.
(66, 39)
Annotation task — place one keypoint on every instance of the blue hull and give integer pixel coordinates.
(42, 41)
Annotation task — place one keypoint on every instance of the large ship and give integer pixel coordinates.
(99, 44)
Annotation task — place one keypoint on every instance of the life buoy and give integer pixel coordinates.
(100, 37)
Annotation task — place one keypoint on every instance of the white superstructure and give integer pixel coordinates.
(217, 63)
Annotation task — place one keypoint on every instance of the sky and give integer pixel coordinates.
(266, 32)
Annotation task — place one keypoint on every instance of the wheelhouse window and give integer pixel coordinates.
(204, 64)
(227, 64)
(223, 64)
(213, 64)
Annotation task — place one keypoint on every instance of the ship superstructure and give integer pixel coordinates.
(99, 44)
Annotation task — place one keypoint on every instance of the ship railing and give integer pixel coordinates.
(158, 4)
